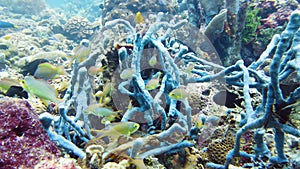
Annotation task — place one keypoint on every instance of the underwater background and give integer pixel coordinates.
(149, 84)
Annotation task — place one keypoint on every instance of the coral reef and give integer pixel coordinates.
(131, 7)
(167, 120)
(78, 28)
(158, 76)
(24, 143)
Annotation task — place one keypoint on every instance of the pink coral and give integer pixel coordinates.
(23, 140)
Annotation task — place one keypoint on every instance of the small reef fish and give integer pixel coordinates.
(107, 91)
(48, 71)
(127, 73)
(94, 70)
(82, 51)
(154, 82)
(153, 61)
(30, 68)
(198, 122)
(6, 83)
(139, 19)
(108, 88)
(100, 111)
(179, 94)
(7, 25)
(7, 37)
(116, 130)
(40, 88)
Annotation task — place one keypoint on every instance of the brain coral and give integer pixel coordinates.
(217, 150)
(23, 141)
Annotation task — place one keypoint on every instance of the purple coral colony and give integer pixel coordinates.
(140, 84)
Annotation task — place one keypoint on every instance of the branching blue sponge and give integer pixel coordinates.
(273, 102)
(272, 105)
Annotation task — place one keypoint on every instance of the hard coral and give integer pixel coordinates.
(78, 28)
(131, 7)
(23, 141)
(217, 150)
(93, 157)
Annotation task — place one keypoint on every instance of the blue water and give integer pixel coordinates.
(55, 3)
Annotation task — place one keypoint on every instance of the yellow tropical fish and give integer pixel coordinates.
(82, 51)
(139, 19)
(198, 122)
(7, 37)
(153, 83)
(127, 73)
(94, 70)
(48, 71)
(108, 88)
(100, 111)
(40, 88)
(6, 83)
(116, 130)
(179, 94)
